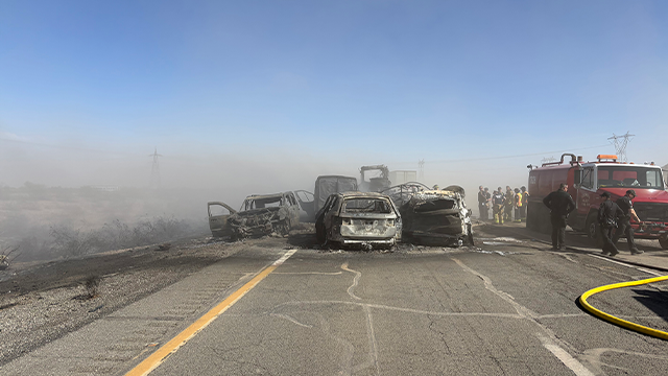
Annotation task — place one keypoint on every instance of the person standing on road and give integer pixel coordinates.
(488, 196)
(561, 204)
(626, 205)
(518, 205)
(509, 204)
(497, 206)
(482, 203)
(608, 213)
(525, 202)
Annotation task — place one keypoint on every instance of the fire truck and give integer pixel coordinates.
(587, 181)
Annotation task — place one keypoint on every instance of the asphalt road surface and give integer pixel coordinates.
(506, 306)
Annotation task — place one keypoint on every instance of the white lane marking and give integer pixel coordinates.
(309, 273)
(373, 344)
(564, 356)
(547, 337)
(627, 265)
(401, 309)
(562, 316)
(286, 256)
(356, 280)
(292, 320)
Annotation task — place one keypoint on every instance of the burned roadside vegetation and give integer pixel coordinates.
(45, 223)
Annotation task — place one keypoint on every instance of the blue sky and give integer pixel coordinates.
(478, 89)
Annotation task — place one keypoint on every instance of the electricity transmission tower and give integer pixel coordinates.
(620, 143)
(155, 170)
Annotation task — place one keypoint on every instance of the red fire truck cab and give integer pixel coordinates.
(587, 181)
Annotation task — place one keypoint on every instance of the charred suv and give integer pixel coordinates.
(265, 215)
(437, 217)
(363, 219)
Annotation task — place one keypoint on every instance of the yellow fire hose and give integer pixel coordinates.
(617, 320)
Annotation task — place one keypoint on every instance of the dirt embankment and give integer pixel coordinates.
(40, 303)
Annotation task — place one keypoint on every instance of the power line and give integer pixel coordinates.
(73, 148)
(507, 156)
(620, 143)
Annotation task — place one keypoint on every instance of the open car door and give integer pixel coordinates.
(219, 212)
(307, 204)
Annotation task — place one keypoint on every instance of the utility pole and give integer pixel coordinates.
(421, 170)
(155, 170)
(620, 143)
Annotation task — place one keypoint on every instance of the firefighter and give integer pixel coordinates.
(498, 202)
(509, 204)
(518, 205)
(626, 205)
(488, 196)
(561, 204)
(608, 213)
(482, 203)
(525, 203)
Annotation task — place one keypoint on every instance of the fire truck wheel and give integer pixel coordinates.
(664, 241)
(593, 230)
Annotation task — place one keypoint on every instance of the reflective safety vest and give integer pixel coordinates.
(518, 199)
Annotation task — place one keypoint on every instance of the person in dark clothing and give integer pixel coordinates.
(626, 205)
(483, 197)
(608, 213)
(525, 203)
(561, 204)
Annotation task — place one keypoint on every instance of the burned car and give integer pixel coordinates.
(219, 213)
(402, 193)
(358, 219)
(437, 217)
(259, 215)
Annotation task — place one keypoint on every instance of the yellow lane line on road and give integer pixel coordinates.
(158, 357)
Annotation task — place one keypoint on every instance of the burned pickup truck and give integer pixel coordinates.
(259, 215)
(433, 217)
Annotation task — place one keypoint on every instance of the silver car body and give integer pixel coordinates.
(366, 219)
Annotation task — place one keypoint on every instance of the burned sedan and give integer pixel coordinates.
(437, 217)
(265, 215)
(358, 219)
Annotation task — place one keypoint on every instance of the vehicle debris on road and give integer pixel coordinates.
(437, 217)
(366, 220)
(265, 215)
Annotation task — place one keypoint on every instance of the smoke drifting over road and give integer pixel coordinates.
(71, 195)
